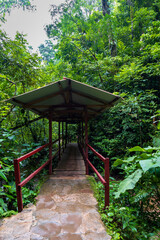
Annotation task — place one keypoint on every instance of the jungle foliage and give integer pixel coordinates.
(112, 45)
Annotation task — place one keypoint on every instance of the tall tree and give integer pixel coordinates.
(6, 5)
(112, 43)
(105, 7)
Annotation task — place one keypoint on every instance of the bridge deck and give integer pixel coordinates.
(72, 163)
(65, 209)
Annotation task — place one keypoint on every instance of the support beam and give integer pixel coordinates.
(74, 105)
(41, 99)
(18, 188)
(70, 91)
(62, 92)
(59, 142)
(89, 97)
(82, 135)
(50, 144)
(106, 168)
(24, 106)
(66, 137)
(86, 140)
(62, 136)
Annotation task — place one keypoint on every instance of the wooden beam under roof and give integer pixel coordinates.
(69, 105)
(70, 91)
(23, 105)
(89, 97)
(41, 99)
(62, 92)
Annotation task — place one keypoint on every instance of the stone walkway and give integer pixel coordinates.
(66, 208)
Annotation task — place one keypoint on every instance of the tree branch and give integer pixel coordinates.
(11, 109)
(12, 84)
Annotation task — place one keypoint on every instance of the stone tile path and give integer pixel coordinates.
(65, 210)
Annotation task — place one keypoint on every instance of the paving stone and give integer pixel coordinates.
(96, 236)
(25, 236)
(68, 236)
(87, 199)
(47, 229)
(36, 237)
(71, 222)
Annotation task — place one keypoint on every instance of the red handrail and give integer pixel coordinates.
(105, 180)
(96, 153)
(33, 174)
(32, 153)
(20, 184)
(98, 174)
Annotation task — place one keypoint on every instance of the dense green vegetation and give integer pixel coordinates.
(115, 46)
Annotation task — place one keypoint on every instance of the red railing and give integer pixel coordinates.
(20, 184)
(105, 180)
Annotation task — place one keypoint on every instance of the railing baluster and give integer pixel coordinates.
(50, 144)
(18, 188)
(106, 168)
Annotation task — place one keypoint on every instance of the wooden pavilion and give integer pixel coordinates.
(66, 101)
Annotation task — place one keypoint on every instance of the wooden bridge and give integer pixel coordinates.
(65, 210)
(66, 200)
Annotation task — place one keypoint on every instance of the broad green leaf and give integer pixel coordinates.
(142, 194)
(130, 159)
(150, 149)
(3, 176)
(2, 76)
(117, 162)
(125, 224)
(117, 236)
(158, 125)
(136, 149)
(150, 163)
(7, 186)
(129, 182)
(133, 228)
(145, 155)
(1, 210)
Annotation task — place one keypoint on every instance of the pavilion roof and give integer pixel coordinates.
(66, 100)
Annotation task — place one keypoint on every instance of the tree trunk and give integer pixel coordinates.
(105, 7)
(112, 44)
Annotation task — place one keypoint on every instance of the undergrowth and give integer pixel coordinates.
(123, 222)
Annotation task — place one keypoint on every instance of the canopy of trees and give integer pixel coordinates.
(113, 45)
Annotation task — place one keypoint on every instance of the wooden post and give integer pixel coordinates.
(50, 144)
(86, 140)
(82, 135)
(66, 137)
(106, 168)
(18, 188)
(59, 141)
(78, 131)
(62, 136)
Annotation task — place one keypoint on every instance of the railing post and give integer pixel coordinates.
(59, 142)
(106, 168)
(50, 144)
(78, 134)
(18, 188)
(66, 136)
(82, 141)
(86, 140)
(62, 136)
